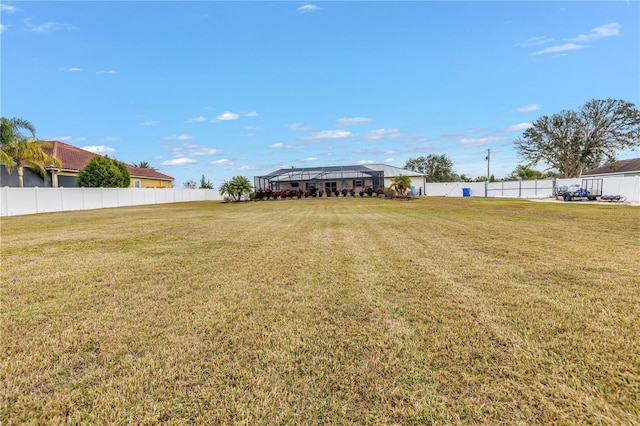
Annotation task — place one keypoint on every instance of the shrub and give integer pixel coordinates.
(103, 172)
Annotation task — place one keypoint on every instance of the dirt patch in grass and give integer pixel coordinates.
(362, 311)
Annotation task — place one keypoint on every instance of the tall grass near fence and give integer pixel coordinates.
(345, 311)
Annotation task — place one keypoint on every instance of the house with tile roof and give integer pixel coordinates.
(622, 168)
(73, 159)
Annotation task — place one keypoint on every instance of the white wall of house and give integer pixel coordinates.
(21, 201)
(417, 182)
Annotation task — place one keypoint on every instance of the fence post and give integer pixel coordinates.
(520, 188)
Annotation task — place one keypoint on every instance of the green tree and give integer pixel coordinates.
(236, 188)
(401, 184)
(205, 183)
(526, 173)
(144, 165)
(571, 142)
(436, 168)
(24, 151)
(103, 172)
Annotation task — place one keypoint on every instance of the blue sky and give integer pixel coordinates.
(243, 88)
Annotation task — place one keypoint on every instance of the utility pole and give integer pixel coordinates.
(486, 185)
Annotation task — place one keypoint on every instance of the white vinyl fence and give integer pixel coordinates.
(21, 201)
(628, 187)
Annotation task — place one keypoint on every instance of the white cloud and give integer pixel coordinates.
(182, 137)
(528, 108)
(366, 162)
(299, 127)
(307, 8)
(351, 121)
(103, 72)
(8, 9)
(100, 149)
(607, 30)
(329, 134)
(192, 150)
(3, 28)
(226, 116)
(149, 123)
(198, 119)
(251, 114)
(558, 49)
(308, 159)
(206, 151)
(280, 145)
(69, 139)
(222, 162)
(179, 162)
(247, 168)
(481, 141)
(536, 41)
(380, 133)
(518, 127)
(48, 27)
(389, 160)
(72, 69)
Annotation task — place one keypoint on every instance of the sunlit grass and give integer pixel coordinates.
(342, 311)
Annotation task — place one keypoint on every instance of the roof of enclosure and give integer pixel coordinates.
(335, 172)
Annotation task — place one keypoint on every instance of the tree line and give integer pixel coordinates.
(568, 143)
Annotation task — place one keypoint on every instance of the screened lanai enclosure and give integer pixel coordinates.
(334, 177)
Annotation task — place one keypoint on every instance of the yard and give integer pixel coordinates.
(349, 311)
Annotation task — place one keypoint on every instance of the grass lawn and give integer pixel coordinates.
(339, 311)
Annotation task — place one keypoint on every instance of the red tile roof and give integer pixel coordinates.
(73, 159)
(622, 166)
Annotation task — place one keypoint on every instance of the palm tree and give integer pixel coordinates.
(23, 150)
(401, 183)
(144, 165)
(236, 188)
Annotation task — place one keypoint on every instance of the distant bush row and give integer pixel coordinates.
(270, 194)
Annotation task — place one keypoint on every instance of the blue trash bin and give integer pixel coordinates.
(466, 192)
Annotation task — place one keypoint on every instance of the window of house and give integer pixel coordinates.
(331, 185)
(295, 184)
(358, 184)
(136, 183)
